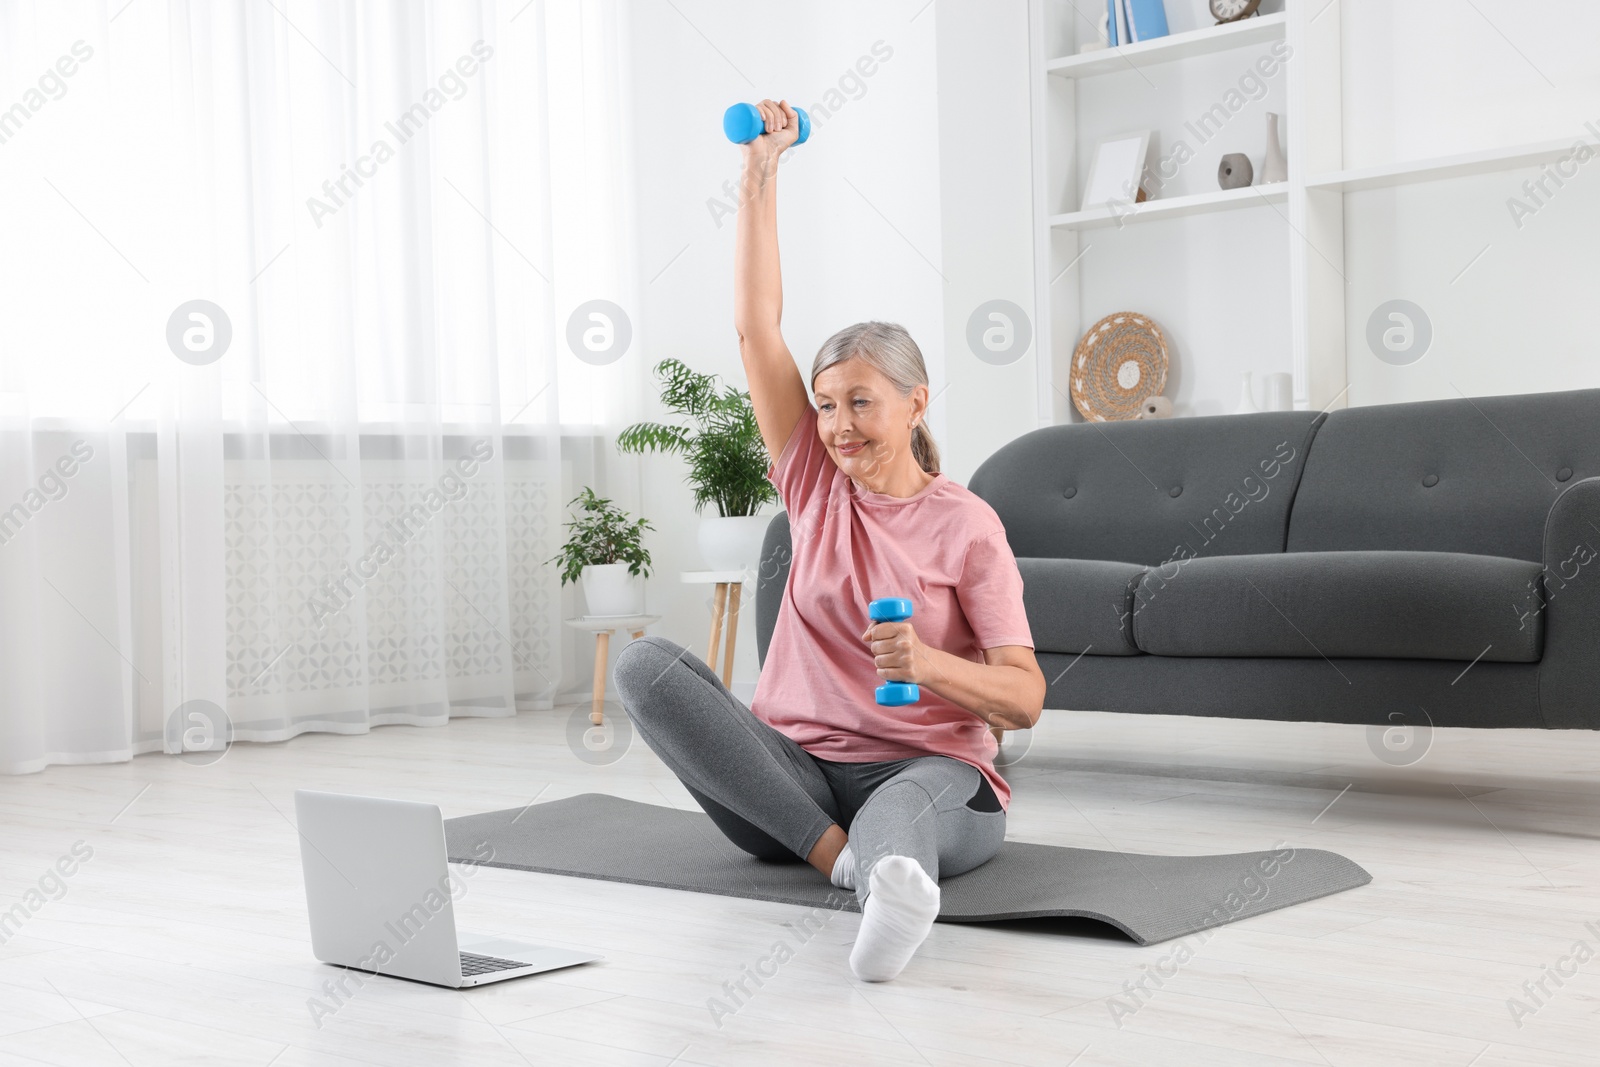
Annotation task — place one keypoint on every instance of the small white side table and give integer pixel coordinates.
(724, 608)
(603, 626)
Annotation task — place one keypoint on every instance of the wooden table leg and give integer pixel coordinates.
(734, 589)
(602, 653)
(999, 734)
(638, 634)
(719, 604)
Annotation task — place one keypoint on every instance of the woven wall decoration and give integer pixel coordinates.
(1120, 361)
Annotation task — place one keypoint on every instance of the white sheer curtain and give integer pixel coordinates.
(343, 519)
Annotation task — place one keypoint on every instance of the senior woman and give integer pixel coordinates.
(881, 800)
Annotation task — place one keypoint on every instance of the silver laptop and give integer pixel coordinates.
(380, 894)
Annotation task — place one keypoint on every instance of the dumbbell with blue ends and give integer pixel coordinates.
(743, 123)
(893, 609)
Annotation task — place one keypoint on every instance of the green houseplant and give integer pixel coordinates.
(605, 551)
(727, 460)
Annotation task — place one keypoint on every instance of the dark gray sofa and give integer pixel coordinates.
(1419, 563)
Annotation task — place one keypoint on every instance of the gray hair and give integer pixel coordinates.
(888, 348)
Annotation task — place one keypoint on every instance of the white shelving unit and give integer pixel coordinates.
(1256, 279)
(1093, 262)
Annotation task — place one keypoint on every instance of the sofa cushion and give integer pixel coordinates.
(1148, 491)
(1462, 475)
(1389, 605)
(1080, 605)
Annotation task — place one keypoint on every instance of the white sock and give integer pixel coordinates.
(844, 869)
(896, 919)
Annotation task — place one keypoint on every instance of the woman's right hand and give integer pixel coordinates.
(782, 130)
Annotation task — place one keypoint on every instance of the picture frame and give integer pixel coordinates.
(1118, 165)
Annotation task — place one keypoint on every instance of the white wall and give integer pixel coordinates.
(987, 218)
(876, 213)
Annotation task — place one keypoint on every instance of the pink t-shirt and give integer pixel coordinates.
(943, 548)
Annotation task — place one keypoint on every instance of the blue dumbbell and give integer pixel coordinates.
(743, 124)
(893, 609)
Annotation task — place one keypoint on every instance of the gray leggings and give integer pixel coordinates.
(773, 799)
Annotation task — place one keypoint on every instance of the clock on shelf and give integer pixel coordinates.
(1233, 10)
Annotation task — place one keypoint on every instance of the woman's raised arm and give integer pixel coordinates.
(776, 389)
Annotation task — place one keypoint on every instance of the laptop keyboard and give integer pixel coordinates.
(473, 964)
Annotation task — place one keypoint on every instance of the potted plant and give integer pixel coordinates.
(604, 551)
(727, 461)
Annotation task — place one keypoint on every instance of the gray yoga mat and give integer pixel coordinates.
(1149, 898)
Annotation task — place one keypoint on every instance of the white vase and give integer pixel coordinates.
(1247, 397)
(1280, 392)
(732, 543)
(608, 589)
(1273, 168)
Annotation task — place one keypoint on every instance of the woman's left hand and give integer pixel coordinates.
(897, 651)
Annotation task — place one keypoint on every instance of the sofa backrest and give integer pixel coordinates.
(1464, 475)
(1149, 491)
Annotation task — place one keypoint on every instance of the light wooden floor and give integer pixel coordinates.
(184, 940)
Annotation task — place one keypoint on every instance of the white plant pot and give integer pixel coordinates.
(608, 589)
(731, 544)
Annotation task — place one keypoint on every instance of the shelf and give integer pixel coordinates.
(1485, 161)
(1166, 49)
(1174, 207)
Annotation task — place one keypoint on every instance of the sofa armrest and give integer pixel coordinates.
(772, 577)
(1569, 672)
